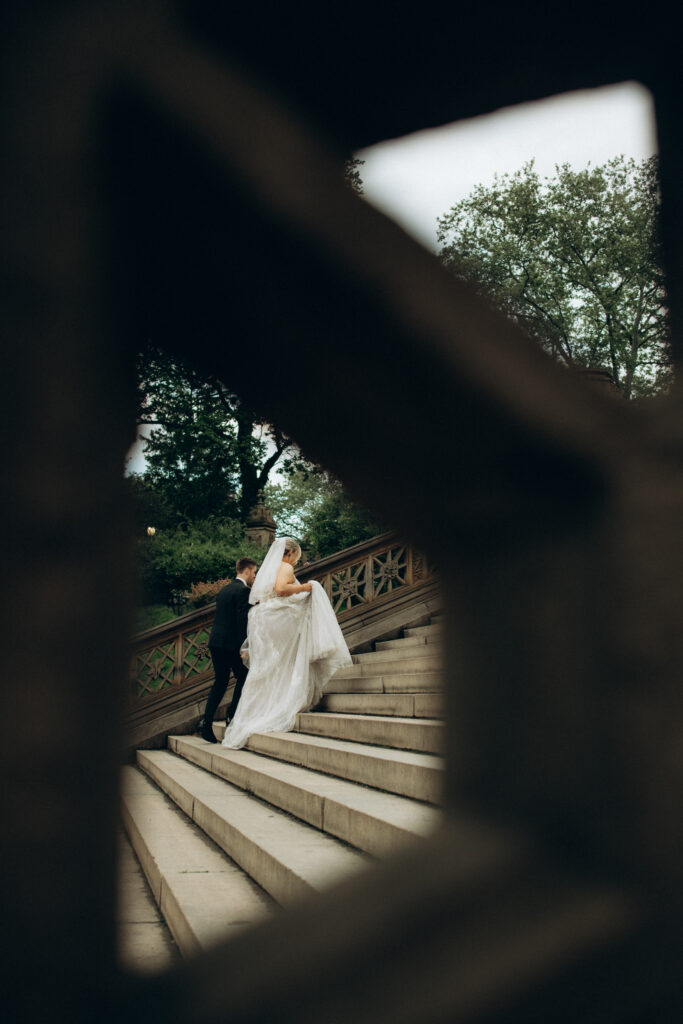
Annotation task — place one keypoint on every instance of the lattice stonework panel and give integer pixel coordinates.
(423, 567)
(153, 670)
(389, 570)
(348, 587)
(196, 654)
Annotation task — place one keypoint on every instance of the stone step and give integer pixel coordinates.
(406, 643)
(145, 944)
(378, 823)
(203, 896)
(405, 705)
(285, 857)
(435, 629)
(406, 773)
(415, 659)
(421, 734)
(429, 681)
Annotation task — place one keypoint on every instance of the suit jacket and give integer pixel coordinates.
(230, 622)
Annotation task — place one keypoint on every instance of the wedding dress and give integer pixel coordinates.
(295, 645)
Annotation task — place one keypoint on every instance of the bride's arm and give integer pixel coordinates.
(286, 585)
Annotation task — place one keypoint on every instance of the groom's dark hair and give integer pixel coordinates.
(245, 563)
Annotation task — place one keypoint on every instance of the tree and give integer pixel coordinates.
(352, 174)
(576, 260)
(150, 507)
(314, 507)
(176, 558)
(207, 453)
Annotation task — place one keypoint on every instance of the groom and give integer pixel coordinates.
(227, 636)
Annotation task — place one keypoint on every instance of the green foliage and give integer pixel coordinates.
(352, 174)
(207, 454)
(190, 453)
(204, 552)
(338, 523)
(152, 615)
(313, 507)
(293, 501)
(576, 260)
(150, 506)
(207, 457)
(198, 557)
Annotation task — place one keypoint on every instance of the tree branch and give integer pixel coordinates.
(221, 394)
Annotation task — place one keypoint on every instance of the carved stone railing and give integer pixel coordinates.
(368, 572)
(175, 656)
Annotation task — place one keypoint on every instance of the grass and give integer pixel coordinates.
(153, 615)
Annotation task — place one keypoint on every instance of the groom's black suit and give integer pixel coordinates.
(227, 636)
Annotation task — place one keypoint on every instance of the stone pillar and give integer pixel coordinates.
(260, 527)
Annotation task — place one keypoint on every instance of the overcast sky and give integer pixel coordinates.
(419, 177)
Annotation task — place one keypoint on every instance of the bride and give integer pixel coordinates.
(295, 645)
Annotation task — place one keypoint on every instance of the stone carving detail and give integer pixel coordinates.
(389, 570)
(423, 567)
(260, 527)
(154, 668)
(347, 587)
(195, 654)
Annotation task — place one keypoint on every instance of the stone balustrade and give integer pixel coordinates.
(175, 656)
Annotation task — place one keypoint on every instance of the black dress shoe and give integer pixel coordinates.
(207, 733)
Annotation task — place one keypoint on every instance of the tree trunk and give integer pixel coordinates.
(248, 473)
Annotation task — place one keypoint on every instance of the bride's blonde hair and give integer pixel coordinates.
(292, 545)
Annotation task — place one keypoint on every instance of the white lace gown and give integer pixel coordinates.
(295, 646)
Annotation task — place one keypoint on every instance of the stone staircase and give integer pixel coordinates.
(226, 837)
